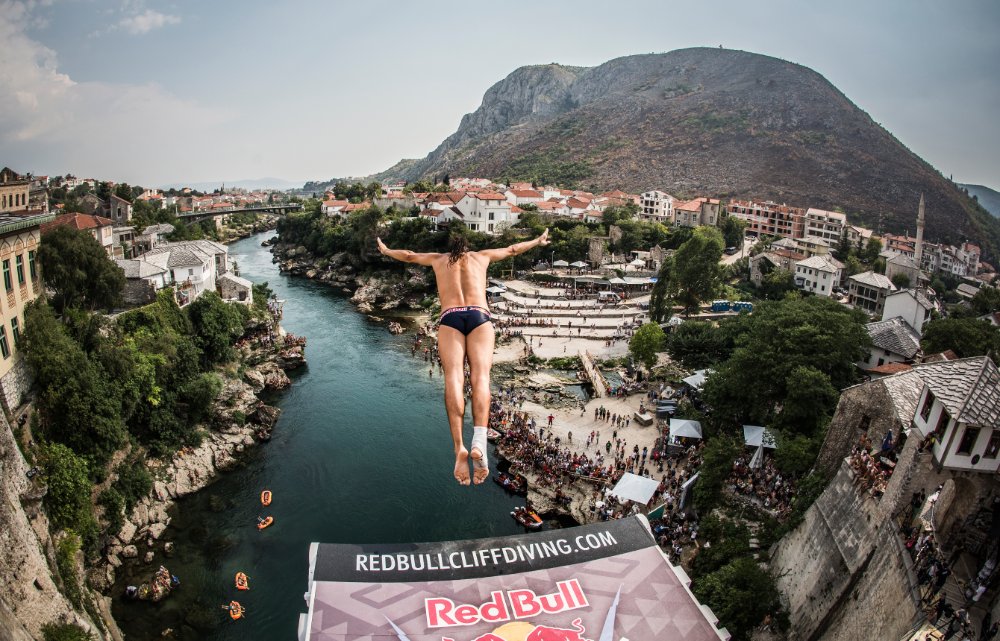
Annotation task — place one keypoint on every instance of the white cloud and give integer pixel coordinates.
(146, 21)
(46, 114)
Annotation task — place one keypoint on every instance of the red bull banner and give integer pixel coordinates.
(601, 582)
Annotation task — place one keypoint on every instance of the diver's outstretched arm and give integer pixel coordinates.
(517, 248)
(406, 255)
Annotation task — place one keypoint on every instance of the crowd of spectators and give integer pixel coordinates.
(762, 484)
(873, 468)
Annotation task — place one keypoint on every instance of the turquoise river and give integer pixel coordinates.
(361, 453)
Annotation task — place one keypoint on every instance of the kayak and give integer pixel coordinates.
(265, 497)
(266, 522)
(235, 610)
(241, 581)
(527, 518)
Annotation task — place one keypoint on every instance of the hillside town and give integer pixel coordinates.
(907, 455)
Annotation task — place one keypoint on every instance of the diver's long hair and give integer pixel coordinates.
(458, 244)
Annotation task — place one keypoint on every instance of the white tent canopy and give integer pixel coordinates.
(697, 380)
(560, 263)
(755, 436)
(578, 264)
(616, 281)
(495, 290)
(638, 262)
(684, 427)
(633, 487)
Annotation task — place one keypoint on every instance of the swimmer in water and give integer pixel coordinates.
(466, 332)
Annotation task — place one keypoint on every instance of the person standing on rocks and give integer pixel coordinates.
(466, 333)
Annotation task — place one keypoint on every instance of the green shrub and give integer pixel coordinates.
(134, 483)
(114, 508)
(66, 551)
(65, 632)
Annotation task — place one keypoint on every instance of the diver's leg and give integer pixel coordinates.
(451, 346)
(479, 346)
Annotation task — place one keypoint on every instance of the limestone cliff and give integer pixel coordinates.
(29, 594)
(703, 122)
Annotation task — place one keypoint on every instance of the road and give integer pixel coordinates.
(747, 244)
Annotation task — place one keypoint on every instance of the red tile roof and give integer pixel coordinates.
(526, 193)
(78, 221)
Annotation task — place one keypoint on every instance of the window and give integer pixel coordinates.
(968, 440)
(19, 263)
(993, 446)
(6, 275)
(16, 330)
(4, 346)
(491, 215)
(925, 410)
(31, 264)
(942, 423)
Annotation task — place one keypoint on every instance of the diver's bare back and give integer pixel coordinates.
(462, 283)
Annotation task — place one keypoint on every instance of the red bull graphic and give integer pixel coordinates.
(619, 587)
(519, 604)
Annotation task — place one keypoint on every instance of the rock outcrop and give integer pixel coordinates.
(29, 596)
(703, 121)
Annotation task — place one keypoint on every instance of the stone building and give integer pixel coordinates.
(19, 239)
(14, 191)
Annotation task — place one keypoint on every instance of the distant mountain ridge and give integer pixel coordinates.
(251, 184)
(703, 121)
(988, 198)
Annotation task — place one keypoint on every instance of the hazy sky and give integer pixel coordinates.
(155, 92)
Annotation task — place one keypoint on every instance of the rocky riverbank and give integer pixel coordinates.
(374, 291)
(239, 419)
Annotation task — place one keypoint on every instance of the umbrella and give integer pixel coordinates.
(578, 264)
(560, 263)
(686, 428)
(495, 290)
(638, 262)
(757, 436)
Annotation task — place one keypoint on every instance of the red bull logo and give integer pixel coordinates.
(442, 612)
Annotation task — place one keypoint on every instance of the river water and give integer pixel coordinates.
(361, 453)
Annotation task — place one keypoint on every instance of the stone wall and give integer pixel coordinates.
(15, 384)
(844, 554)
(863, 408)
(138, 292)
(882, 604)
(29, 598)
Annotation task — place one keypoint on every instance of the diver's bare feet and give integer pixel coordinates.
(462, 466)
(480, 468)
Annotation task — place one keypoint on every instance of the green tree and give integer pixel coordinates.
(732, 231)
(810, 396)
(216, 326)
(67, 501)
(779, 337)
(795, 454)
(78, 403)
(741, 594)
(872, 250)
(901, 281)
(697, 344)
(660, 302)
(776, 284)
(78, 269)
(695, 275)
(986, 300)
(965, 336)
(123, 191)
(716, 466)
(646, 342)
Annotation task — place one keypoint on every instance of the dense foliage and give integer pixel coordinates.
(741, 594)
(76, 267)
(965, 336)
(791, 358)
(646, 342)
